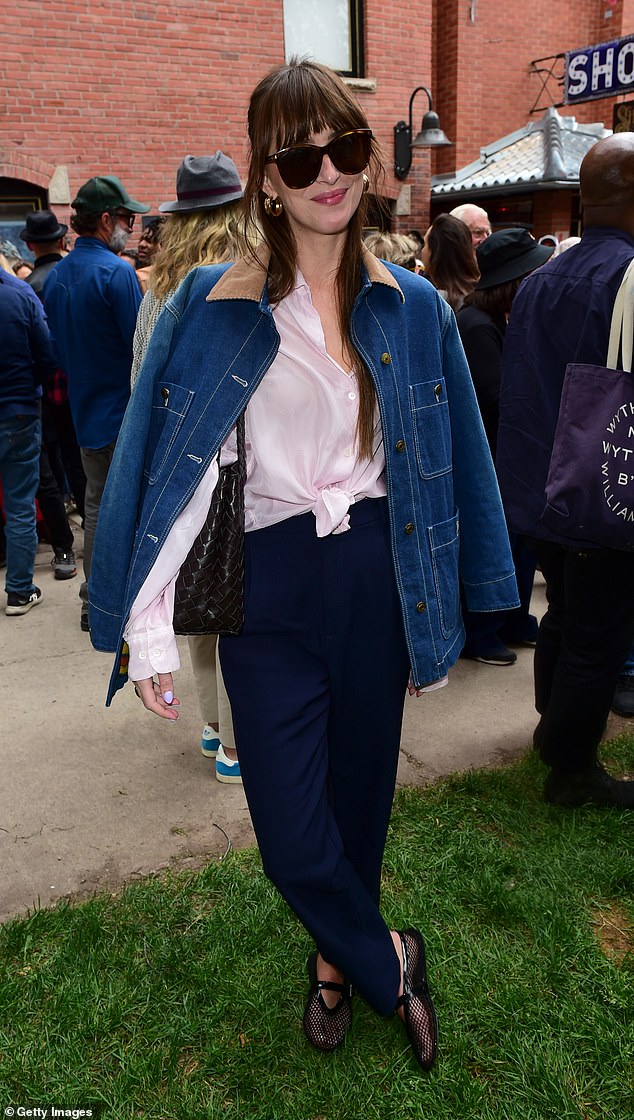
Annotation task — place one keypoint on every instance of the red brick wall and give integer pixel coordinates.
(482, 82)
(552, 213)
(131, 87)
(398, 55)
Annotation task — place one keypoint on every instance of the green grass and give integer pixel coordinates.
(182, 998)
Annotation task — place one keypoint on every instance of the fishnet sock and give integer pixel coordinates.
(420, 1017)
(326, 1027)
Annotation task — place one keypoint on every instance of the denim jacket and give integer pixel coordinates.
(211, 347)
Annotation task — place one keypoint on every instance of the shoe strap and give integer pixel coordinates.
(331, 986)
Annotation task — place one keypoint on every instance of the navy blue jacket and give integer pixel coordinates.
(26, 355)
(561, 314)
(92, 297)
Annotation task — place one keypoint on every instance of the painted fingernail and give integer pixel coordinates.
(168, 696)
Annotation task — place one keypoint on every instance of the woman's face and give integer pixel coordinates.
(325, 207)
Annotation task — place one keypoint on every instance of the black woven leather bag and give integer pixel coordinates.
(209, 596)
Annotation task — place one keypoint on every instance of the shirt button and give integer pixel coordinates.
(385, 358)
(352, 396)
(142, 656)
(399, 445)
(157, 653)
(421, 607)
(348, 452)
(409, 528)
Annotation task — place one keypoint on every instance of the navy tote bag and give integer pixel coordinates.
(590, 485)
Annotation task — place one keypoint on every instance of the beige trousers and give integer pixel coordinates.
(212, 695)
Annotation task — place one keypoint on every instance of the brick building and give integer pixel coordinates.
(490, 75)
(131, 87)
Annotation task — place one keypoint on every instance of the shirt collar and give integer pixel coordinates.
(45, 258)
(246, 278)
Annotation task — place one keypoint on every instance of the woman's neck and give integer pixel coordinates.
(318, 260)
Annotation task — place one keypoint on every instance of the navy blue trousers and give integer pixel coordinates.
(583, 641)
(317, 681)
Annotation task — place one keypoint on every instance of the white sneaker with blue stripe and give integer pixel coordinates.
(227, 769)
(210, 742)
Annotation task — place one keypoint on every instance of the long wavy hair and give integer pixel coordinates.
(286, 107)
(453, 266)
(199, 237)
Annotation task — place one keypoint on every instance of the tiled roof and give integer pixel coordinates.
(547, 152)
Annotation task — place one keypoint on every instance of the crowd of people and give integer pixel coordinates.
(377, 547)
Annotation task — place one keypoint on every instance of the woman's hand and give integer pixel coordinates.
(158, 698)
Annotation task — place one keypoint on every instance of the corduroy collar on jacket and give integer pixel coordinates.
(245, 279)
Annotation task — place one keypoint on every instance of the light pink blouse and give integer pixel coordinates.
(301, 456)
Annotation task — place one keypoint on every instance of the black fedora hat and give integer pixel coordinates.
(203, 182)
(42, 225)
(508, 254)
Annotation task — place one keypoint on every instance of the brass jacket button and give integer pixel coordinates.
(409, 528)
(399, 445)
(385, 358)
(421, 607)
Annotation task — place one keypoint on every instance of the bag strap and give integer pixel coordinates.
(241, 441)
(622, 325)
(241, 444)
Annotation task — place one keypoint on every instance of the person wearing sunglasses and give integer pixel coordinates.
(363, 446)
(91, 298)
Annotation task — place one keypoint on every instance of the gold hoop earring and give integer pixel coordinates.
(366, 183)
(273, 206)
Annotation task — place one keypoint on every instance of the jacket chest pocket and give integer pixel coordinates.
(432, 430)
(169, 408)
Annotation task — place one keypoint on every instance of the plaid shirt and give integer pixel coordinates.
(56, 388)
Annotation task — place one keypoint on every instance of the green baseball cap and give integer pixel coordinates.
(105, 192)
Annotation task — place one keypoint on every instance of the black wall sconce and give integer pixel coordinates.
(431, 135)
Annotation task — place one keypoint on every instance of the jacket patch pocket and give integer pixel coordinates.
(432, 431)
(169, 408)
(444, 540)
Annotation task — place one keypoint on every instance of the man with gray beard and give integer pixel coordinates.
(91, 299)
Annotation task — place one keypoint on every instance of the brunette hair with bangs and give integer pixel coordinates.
(289, 104)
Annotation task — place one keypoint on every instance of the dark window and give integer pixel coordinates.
(17, 197)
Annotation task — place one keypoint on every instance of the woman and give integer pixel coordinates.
(399, 248)
(449, 259)
(504, 259)
(355, 468)
(202, 226)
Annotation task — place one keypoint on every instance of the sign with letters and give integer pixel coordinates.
(600, 71)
